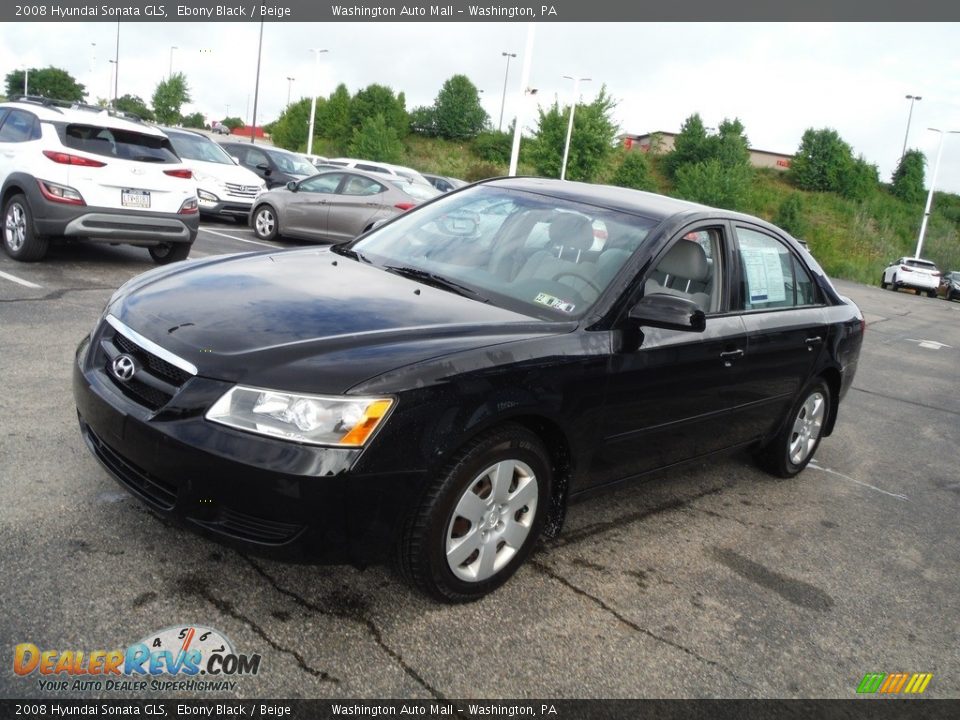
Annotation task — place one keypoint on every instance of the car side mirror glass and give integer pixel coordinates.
(292, 186)
(264, 167)
(669, 312)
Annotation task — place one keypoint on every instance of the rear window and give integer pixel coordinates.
(418, 191)
(926, 265)
(123, 144)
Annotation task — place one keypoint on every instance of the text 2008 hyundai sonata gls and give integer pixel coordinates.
(436, 391)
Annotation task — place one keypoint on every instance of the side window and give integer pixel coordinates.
(3, 113)
(19, 126)
(357, 185)
(255, 157)
(771, 275)
(326, 183)
(691, 268)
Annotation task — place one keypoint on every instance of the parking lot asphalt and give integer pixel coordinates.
(710, 581)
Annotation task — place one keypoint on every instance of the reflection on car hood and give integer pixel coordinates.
(310, 320)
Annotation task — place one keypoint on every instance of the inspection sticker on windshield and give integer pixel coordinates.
(554, 302)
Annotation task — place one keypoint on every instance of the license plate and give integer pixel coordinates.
(135, 198)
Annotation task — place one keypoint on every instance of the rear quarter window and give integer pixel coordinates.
(122, 144)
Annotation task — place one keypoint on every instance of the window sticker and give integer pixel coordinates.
(764, 274)
(554, 303)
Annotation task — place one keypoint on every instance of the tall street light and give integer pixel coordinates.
(503, 101)
(26, 79)
(933, 182)
(116, 69)
(313, 100)
(256, 89)
(170, 72)
(289, 85)
(573, 106)
(912, 99)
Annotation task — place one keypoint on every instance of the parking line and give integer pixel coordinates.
(234, 237)
(815, 466)
(13, 278)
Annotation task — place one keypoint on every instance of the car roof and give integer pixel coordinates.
(62, 111)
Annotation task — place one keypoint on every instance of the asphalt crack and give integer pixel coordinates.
(355, 616)
(925, 406)
(198, 588)
(576, 589)
(57, 294)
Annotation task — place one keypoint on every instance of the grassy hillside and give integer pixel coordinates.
(852, 240)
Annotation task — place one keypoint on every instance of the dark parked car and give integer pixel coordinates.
(950, 286)
(337, 205)
(444, 184)
(275, 166)
(437, 391)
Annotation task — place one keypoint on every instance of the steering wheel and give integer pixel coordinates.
(579, 277)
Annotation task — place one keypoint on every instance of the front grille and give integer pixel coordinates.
(157, 381)
(247, 191)
(247, 527)
(161, 494)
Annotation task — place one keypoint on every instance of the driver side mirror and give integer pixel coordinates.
(264, 168)
(669, 312)
(292, 186)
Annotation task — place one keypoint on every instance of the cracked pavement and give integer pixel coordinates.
(711, 580)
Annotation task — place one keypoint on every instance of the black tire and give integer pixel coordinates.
(265, 223)
(893, 283)
(883, 283)
(20, 239)
(776, 457)
(422, 557)
(931, 293)
(169, 252)
(919, 292)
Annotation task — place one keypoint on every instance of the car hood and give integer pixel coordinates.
(309, 320)
(224, 173)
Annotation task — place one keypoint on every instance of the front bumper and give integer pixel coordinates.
(226, 207)
(271, 497)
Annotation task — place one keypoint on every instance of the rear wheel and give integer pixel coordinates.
(883, 283)
(19, 238)
(479, 521)
(789, 452)
(265, 222)
(931, 293)
(169, 252)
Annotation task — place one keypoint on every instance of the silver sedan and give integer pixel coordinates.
(334, 206)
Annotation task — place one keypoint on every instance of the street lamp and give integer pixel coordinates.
(504, 99)
(573, 105)
(26, 80)
(933, 181)
(170, 72)
(289, 85)
(116, 69)
(313, 100)
(113, 69)
(912, 99)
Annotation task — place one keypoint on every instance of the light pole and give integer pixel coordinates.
(503, 100)
(525, 86)
(113, 70)
(26, 80)
(170, 72)
(933, 182)
(289, 85)
(116, 69)
(256, 89)
(313, 100)
(912, 99)
(573, 106)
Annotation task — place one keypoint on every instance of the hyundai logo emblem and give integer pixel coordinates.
(124, 367)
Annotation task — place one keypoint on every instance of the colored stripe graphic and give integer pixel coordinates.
(894, 683)
(871, 682)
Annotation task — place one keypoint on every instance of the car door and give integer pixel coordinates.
(353, 206)
(785, 320)
(677, 394)
(306, 210)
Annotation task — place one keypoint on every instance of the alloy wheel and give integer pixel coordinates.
(807, 427)
(15, 227)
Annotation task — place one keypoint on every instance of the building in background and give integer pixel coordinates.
(662, 142)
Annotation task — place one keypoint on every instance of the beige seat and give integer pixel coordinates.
(570, 236)
(683, 271)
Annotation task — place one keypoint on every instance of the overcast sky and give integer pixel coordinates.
(779, 79)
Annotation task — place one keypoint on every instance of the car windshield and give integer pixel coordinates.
(195, 147)
(534, 254)
(293, 164)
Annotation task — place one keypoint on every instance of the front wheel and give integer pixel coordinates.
(790, 451)
(931, 293)
(479, 521)
(165, 253)
(883, 282)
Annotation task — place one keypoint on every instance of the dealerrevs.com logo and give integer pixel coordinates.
(185, 658)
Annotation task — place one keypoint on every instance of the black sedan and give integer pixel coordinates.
(437, 391)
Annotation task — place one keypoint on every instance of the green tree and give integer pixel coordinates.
(790, 215)
(591, 142)
(457, 112)
(375, 139)
(908, 177)
(333, 121)
(233, 123)
(49, 82)
(691, 145)
(168, 97)
(423, 120)
(860, 180)
(134, 105)
(376, 100)
(821, 161)
(291, 128)
(493, 146)
(634, 172)
(713, 183)
(193, 120)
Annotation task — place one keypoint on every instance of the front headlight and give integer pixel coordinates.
(313, 419)
(206, 196)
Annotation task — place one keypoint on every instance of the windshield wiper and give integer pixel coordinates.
(435, 280)
(350, 253)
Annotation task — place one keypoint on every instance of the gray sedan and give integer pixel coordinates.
(334, 206)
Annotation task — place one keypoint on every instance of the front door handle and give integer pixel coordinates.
(812, 341)
(729, 356)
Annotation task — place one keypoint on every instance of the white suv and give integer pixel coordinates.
(224, 189)
(83, 172)
(397, 171)
(914, 273)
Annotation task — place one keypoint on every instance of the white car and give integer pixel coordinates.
(84, 172)
(379, 167)
(224, 189)
(913, 273)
